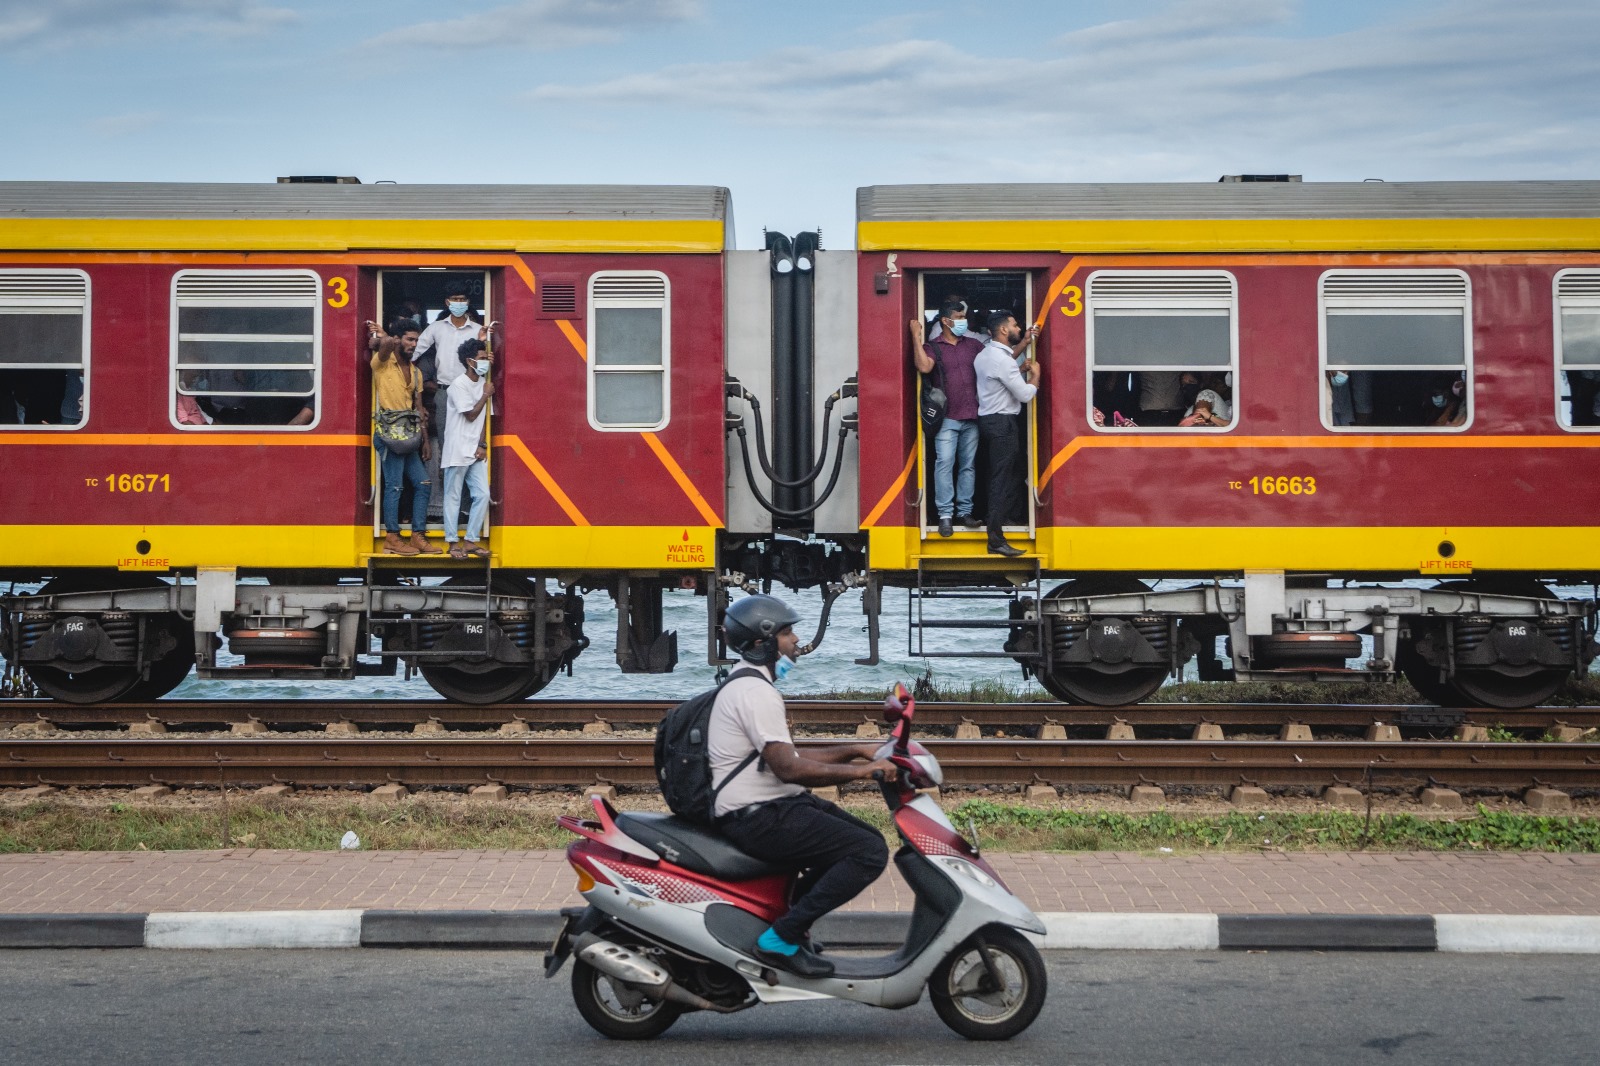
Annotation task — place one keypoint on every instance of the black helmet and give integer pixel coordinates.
(752, 625)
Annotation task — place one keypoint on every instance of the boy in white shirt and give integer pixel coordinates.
(465, 450)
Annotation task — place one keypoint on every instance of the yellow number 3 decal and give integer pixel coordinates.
(1073, 301)
(341, 292)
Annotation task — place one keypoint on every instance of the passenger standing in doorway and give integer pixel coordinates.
(955, 444)
(399, 388)
(437, 348)
(1003, 388)
(465, 457)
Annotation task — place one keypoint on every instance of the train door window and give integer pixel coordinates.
(1163, 350)
(630, 350)
(44, 349)
(1396, 350)
(1577, 330)
(246, 349)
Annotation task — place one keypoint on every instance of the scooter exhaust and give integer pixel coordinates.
(634, 969)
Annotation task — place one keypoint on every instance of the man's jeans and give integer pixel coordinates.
(955, 445)
(397, 470)
(476, 478)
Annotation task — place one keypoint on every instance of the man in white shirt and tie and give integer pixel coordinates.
(1003, 388)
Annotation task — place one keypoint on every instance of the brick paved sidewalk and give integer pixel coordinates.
(1095, 882)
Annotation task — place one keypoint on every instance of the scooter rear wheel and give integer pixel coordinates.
(616, 1011)
(970, 1001)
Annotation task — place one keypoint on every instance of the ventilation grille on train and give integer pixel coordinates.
(1161, 287)
(1586, 284)
(651, 287)
(23, 288)
(248, 287)
(1395, 286)
(560, 298)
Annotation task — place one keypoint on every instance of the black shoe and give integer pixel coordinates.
(944, 527)
(802, 963)
(971, 521)
(1005, 549)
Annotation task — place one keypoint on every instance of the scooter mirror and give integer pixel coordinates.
(898, 704)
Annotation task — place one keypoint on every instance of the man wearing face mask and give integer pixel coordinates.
(465, 453)
(762, 805)
(445, 337)
(955, 444)
(1341, 404)
(1002, 390)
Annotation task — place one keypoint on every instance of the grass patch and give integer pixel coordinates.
(423, 823)
(414, 826)
(1008, 827)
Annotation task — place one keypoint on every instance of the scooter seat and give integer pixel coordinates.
(693, 847)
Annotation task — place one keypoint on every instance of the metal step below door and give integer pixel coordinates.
(932, 606)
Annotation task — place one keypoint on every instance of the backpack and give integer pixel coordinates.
(683, 765)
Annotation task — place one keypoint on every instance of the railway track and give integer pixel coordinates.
(404, 714)
(357, 763)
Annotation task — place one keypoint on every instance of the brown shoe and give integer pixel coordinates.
(395, 546)
(420, 542)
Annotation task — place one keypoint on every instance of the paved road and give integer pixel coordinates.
(129, 1008)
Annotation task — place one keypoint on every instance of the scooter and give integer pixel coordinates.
(674, 912)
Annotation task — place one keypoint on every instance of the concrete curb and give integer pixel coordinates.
(533, 930)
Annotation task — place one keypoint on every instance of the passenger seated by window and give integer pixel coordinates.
(1341, 404)
(465, 453)
(1209, 410)
(1160, 397)
(1114, 397)
(40, 394)
(190, 412)
(1447, 402)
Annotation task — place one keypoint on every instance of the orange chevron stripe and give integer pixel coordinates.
(894, 489)
(537, 468)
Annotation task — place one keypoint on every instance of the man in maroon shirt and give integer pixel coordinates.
(955, 445)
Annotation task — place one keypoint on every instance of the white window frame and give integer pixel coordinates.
(56, 301)
(1392, 305)
(1160, 304)
(1558, 303)
(315, 303)
(665, 366)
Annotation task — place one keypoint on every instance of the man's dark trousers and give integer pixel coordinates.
(1000, 437)
(843, 853)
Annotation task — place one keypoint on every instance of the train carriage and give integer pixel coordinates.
(129, 305)
(1298, 519)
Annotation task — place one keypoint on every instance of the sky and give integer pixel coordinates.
(795, 105)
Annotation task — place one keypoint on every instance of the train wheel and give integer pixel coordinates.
(101, 682)
(168, 672)
(1085, 684)
(1490, 687)
(1424, 677)
(501, 685)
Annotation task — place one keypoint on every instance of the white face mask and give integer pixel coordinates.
(781, 668)
(457, 308)
(481, 366)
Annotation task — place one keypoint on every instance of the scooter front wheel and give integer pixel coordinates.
(992, 998)
(615, 1010)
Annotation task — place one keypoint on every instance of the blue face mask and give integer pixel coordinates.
(1438, 401)
(1341, 378)
(457, 308)
(781, 668)
(481, 367)
(959, 327)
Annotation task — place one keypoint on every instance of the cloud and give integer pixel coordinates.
(1195, 85)
(58, 22)
(543, 25)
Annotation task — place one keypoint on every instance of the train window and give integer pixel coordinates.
(1396, 348)
(1163, 349)
(44, 349)
(246, 349)
(1578, 348)
(630, 329)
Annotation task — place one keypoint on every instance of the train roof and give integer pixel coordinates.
(181, 216)
(1232, 216)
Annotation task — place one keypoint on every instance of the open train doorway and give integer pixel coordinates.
(983, 291)
(420, 296)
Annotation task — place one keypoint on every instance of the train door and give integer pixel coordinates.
(419, 295)
(984, 291)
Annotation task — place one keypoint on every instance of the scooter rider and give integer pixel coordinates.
(765, 810)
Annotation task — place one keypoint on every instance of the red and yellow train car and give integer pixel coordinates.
(132, 307)
(1409, 377)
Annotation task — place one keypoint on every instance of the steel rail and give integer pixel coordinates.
(357, 762)
(286, 714)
